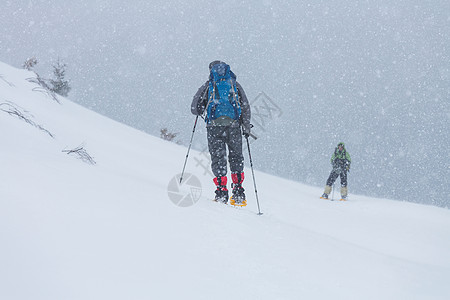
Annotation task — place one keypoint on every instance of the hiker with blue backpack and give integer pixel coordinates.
(226, 111)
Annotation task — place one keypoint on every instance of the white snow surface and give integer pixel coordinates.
(71, 230)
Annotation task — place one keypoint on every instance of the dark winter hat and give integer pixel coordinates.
(215, 63)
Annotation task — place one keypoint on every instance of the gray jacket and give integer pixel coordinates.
(201, 99)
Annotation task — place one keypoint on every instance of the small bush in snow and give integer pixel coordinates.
(30, 63)
(166, 135)
(60, 84)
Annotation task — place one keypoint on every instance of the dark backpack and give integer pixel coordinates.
(340, 159)
(223, 98)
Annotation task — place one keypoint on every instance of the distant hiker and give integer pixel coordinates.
(224, 103)
(340, 160)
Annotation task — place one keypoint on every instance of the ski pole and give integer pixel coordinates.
(189, 148)
(253, 174)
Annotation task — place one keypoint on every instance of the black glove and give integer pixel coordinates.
(246, 130)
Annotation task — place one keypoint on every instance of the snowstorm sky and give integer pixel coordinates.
(374, 74)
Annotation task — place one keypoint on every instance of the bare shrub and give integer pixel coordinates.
(166, 135)
(23, 115)
(81, 153)
(43, 87)
(30, 63)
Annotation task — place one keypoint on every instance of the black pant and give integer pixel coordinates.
(335, 174)
(220, 137)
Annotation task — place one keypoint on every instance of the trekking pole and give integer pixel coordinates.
(253, 174)
(189, 148)
(348, 171)
(332, 195)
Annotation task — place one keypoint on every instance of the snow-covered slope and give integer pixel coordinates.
(73, 230)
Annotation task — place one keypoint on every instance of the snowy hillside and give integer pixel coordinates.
(70, 229)
(373, 74)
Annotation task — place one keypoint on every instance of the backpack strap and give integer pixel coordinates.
(235, 95)
(210, 99)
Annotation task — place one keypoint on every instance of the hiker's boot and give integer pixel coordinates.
(344, 193)
(238, 196)
(326, 192)
(221, 190)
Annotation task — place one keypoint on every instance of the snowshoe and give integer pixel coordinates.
(343, 198)
(238, 197)
(324, 196)
(238, 201)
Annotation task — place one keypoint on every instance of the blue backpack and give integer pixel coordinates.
(222, 94)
